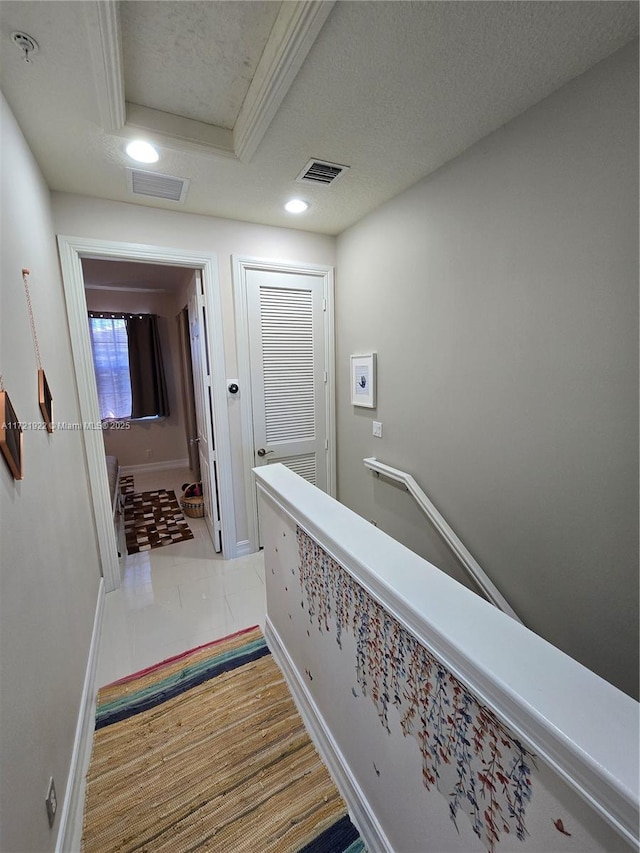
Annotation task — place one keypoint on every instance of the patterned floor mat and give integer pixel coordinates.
(126, 485)
(153, 519)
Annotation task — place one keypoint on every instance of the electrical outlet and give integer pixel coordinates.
(149, 453)
(377, 429)
(51, 802)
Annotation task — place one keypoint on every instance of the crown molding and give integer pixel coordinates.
(103, 29)
(177, 132)
(121, 288)
(294, 32)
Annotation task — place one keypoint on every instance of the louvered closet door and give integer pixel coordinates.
(286, 342)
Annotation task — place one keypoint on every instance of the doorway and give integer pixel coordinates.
(284, 327)
(72, 250)
(184, 435)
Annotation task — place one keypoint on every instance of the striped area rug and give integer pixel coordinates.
(206, 751)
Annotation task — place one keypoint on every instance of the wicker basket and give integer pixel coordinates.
(193, 507)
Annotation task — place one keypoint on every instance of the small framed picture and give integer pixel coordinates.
(363, 380)
(45, 399)
(10, 436)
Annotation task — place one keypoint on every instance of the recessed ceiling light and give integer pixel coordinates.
(142, 152)
(296, 205)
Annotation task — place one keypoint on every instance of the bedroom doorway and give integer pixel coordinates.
(184, 436)
(72, 251)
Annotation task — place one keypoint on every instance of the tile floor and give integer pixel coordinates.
(173, 599)
(176, 597)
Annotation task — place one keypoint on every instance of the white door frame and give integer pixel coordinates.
(241, 265)
(72, 250)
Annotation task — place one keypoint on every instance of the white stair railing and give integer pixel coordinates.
(466, 559)
(360, 625)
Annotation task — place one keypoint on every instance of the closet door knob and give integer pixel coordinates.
(263, 452)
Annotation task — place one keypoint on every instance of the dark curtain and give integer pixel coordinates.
(148, 388)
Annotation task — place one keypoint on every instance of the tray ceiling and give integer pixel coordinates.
(193, 59)
(239, 96)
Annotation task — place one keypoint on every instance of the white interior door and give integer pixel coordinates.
(204, 411)
(191, 429)
(286, 325)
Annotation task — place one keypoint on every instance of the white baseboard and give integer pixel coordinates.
(243, 548)
(154, 466)
(73, 803)
(359, 809)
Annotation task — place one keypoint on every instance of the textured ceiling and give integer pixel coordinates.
(214, 50)
(125, 275)
(392, 89)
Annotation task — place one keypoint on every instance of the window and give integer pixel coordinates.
(111, 362)
(127, 359)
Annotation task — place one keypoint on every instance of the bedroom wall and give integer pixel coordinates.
(81, 216)
(162, 440)
(50, 572)
(501, 296)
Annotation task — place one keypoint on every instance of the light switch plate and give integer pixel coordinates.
(377, 429)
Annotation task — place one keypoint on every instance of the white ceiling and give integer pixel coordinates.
(213, 56)
(100, 274)
(240, 95)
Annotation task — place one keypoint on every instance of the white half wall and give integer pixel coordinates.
(401, 673)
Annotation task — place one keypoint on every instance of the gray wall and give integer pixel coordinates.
(501, 295)
(49, 564)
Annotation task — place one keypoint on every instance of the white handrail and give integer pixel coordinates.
(583, 730)
(468, 562)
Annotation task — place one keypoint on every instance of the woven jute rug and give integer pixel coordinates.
(153, 519)
(206, 751)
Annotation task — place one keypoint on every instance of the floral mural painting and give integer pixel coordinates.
(468, 755)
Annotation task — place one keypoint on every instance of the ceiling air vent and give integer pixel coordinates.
(155, 185)
(321, 173)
